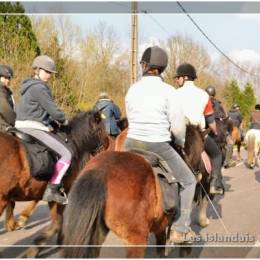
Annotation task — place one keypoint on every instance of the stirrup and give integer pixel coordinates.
(213, 190)
(62, 191)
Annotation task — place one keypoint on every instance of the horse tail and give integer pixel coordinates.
(83, 219)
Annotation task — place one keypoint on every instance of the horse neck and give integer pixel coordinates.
(194, 146)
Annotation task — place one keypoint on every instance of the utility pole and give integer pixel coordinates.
(134, 42)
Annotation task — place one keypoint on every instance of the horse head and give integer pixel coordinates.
(87, 133)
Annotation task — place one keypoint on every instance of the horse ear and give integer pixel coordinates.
(97, 117)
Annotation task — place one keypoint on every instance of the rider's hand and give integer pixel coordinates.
(65, 123)
(64, 127)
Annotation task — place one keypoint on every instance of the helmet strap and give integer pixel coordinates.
(145, 68)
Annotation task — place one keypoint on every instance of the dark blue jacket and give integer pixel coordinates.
(110, 113)
(235, 116)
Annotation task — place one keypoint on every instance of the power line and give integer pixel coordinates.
(216, 47)
(145, 12)
(155, 21)
(203, 33)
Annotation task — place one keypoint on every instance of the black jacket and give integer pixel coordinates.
(218, 109)
(7, 114)
(235, 116)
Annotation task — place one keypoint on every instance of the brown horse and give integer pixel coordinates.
(237, 140)
(123, 196)
(87, 135)
(11, 224)
(193, 159)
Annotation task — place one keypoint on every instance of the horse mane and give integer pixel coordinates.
(192, 131)
(87, 133)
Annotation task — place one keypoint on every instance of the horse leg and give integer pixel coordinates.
(203, 220)
(137, 239)
(238, 151)
(48, 232)
(9, 216)
(25, 214)
(3, 204)
(160, 242)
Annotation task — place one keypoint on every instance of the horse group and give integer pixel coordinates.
(114, 191)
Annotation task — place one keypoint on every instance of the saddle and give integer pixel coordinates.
(40, 157)
(164, 175)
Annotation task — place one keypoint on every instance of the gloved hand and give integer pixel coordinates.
(64, 127)
(65, 123)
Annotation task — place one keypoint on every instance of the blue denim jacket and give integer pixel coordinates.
(110, 113)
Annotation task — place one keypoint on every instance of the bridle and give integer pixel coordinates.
(100, 146)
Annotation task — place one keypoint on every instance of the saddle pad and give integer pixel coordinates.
(206, 161)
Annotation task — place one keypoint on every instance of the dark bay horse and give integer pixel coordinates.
(118, 191)
(87, 135)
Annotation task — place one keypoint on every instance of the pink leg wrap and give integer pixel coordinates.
(60, 169)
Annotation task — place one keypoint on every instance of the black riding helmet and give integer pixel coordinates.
(186, 69)
(155, 57)
(6, 71)
(211, 91)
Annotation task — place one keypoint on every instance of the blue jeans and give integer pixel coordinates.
(181, 172)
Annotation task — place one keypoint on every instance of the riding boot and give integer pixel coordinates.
(216, 185)
(53, 193)
(229, 162)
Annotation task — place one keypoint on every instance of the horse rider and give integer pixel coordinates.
(150, 127)
(217, 106)
(197, 108)
(110, 114)
(255, 118)
(36, 111)
(220, 114)
(7, 106)
(236, 117)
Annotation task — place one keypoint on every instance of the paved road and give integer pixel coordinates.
(239, 212)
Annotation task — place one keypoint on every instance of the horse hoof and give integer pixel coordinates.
(204, 222)
(10, 227)
(20, 223)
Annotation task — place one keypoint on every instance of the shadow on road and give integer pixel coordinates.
(257, 175)
(39, 217)
(24, 244)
